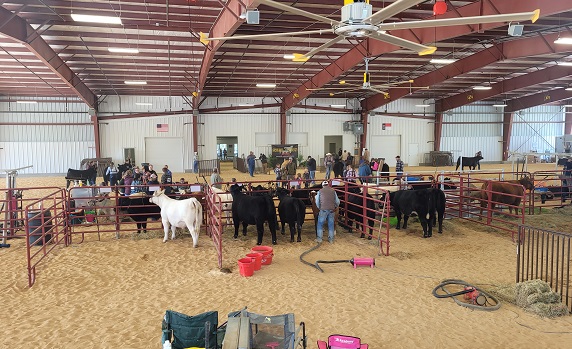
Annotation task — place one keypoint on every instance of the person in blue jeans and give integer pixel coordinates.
(311, 165)
(251, 162)
(327, 201)
(196, 162)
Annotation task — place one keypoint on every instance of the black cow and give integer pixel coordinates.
(471, 162)
(140, 210)
(338, 168)
(355, 207)
(80, 175)
(253, 210)
(421, 201)
(439, 204)
(292, 211)
(304, 194)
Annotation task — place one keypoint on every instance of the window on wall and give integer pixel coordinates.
(262, 139)
(300, 138)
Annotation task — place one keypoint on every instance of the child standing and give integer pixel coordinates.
(306, 178)
(278, 173)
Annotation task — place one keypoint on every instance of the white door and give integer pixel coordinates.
(413, 154)
(387, 147)
(161, 151)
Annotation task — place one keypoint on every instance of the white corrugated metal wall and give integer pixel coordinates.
(115, 135)
(52, 136)
(54, 148)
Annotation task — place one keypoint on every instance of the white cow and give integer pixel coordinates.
(179, 214)
(226, 202)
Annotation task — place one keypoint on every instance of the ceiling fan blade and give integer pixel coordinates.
(345, 91)
(296, 11)
(304, 57)
(408, 87)
(205, 39)
(391, 10)
(391, 84)
(378, 91)
(419, 48)
(430, 23)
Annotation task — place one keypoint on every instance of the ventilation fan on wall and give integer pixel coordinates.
(366, 85)
(358, 21)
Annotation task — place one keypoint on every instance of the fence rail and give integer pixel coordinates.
(545, 255)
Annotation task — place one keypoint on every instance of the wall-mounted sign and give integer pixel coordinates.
(386, 126)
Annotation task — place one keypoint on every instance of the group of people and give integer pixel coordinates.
(133, 179)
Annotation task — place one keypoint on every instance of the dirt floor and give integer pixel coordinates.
(109, 292)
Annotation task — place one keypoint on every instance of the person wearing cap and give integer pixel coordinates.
(196, 162)
(216, 179)
(328, 163)
(311, 165)
(327, 201)
(167, 180)
(251, 162)
(398, 167)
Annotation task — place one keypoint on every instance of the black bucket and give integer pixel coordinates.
(35, 228)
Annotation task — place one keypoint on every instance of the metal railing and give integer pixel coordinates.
(545, 255)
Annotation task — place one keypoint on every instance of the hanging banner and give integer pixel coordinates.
(285, 150)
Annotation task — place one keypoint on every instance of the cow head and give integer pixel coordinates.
(282, 192)
(527, 183)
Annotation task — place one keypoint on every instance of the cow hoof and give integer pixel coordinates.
(425, 236)
(440, 232)
(259, 243)
(398, 227)
(369, 237)
(273, 242)
(362, 236)
(235, 237)
(299, 240)
(282, 232)
(291, 240)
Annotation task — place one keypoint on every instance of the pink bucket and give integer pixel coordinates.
(246, 266)
(267, 253)
(257, 259)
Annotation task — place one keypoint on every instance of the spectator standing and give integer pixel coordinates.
(479, 161)
(167, 180)
(366, 154)
(328, 163)
(196, 162)
(340, 152)
(264, 162)
(127, 182)
(384, 169)
(398, 167)
(327, 201)
(306, 178)
(93, 166)
(278, 172)
(251, 162)
(298, 179)
(364, 171)
(291, 168)
(224, 154)
(216, 179)
(350, 174)
(137, 181)
(311, 165)
(112, 172)
(152, 171)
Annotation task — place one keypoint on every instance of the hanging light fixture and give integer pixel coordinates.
(439, 8)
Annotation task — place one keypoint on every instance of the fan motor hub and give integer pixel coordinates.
(355, 30)
(352, 20)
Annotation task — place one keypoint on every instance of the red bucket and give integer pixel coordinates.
(246, 266)
(257, 259)
(267, 253)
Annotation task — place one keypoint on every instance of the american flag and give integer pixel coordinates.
(162, 127)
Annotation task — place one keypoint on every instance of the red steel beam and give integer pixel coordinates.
(373, 47)
(225, 25)
(508, 119)
(534, 78)
(537, 99)
(18, 29)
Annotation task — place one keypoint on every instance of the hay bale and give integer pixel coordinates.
(504, 292)
(535, 296)
(524, 289)
(548, 310)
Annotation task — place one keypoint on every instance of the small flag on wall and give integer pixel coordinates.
(162, 127)
(386, 126)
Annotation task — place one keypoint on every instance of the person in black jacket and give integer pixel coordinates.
(384, 173)
(311, 165)
(264, 162)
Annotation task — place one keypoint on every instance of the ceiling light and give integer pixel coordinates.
(27, 102)
(135, 82)
(442, 61)
(245, 104)
(96, 19)
(568, 106)
(422, 105)
(289, 56)
(139, 103)
(565, 40)
(564, 63)
(568, 89)
(267, 85)
(499, 105)
(122, 50)
(483, 88)
(337, 105)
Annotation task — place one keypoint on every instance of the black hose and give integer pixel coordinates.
(336, 261)
(308, 263)
(487, 306)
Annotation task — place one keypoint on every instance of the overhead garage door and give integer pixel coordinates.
(161, 151)
(387, 147)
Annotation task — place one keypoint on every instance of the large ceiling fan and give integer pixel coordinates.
(366, 85)
(359, 21)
